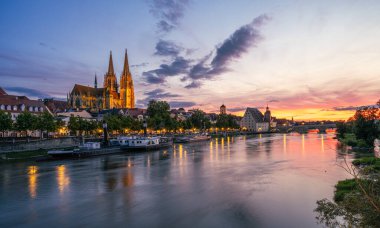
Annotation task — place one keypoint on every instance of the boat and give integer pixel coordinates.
(146, 143)
(119, 140)
(88, 149)
(192, 138)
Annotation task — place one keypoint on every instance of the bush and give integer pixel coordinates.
(344, 187)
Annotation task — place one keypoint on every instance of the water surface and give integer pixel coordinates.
(261, 181)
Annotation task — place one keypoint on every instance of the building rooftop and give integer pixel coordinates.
(256, 114)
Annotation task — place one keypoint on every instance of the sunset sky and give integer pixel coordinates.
(306, 59)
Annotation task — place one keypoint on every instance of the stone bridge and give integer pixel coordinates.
(305, 128)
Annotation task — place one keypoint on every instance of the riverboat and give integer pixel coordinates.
(146, 143)
(88, 149)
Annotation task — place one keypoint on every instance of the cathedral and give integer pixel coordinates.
(108, 97)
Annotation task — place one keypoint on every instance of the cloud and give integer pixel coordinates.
(46, 46)
(160, 93)
(177, 67)
(157, 94)
(232, 48)
(273, 101)
(144, 64)
(30, 71)
(194, 84)
(236, 109)
(181, 104)
(168, 12)
(22, 91)
(347, 108)
(167, 48)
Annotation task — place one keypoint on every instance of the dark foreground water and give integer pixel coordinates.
(262, 181)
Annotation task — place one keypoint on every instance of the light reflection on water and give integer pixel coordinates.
(264, 180)
(32, 172)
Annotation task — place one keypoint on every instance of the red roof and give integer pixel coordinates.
(2, 92)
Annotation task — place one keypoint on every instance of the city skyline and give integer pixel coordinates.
(311, 61)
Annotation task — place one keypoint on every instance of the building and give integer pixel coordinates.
(15, 105)
(253, 120)
(108, 97)
(267, 115)
(55, 106)
(223, 110)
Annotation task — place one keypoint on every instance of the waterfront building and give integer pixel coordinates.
(15, 105)
(108, 97)
(55, 106)
(223, 110)
(253, 120)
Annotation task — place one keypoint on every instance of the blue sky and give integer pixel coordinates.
(306, 58)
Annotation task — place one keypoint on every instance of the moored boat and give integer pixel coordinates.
(146, 143)
(88, 149)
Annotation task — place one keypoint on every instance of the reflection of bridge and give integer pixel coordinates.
(305, 128)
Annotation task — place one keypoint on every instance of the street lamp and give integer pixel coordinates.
(105, 133)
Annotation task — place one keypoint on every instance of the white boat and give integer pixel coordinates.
(146, 143)
(119, 140)
(87, 147)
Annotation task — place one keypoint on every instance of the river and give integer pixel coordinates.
(258, 181)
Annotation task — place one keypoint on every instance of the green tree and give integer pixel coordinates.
(226, 121)
(356, 201)
(199, 120)
(5, 122)
(73, 125)
(45, 122)
(114, 122)
(159, 115)
(366, 126)
(25, 121)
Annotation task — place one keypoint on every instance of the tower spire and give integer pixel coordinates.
(96, 82)
(126, 64)
(110, 65)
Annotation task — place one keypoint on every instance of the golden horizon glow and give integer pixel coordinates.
(307, 114)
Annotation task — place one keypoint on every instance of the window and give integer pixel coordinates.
(2, 107)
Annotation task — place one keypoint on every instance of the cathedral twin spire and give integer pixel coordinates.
(126, 83)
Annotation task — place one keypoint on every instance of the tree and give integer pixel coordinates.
(226, 121)
(366, 126)
(199, 120)
(159, 116)
(356, 201)
(73, 124)
(5, 121)
(114, 122)
(25, 121)
(45, 122)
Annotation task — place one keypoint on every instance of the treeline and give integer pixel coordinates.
(158, 118)
(26, 121)
(356, 201)
(360, 130)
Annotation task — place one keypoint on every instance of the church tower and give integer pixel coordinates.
(127, 93)
(267, 115)
(110, 81)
